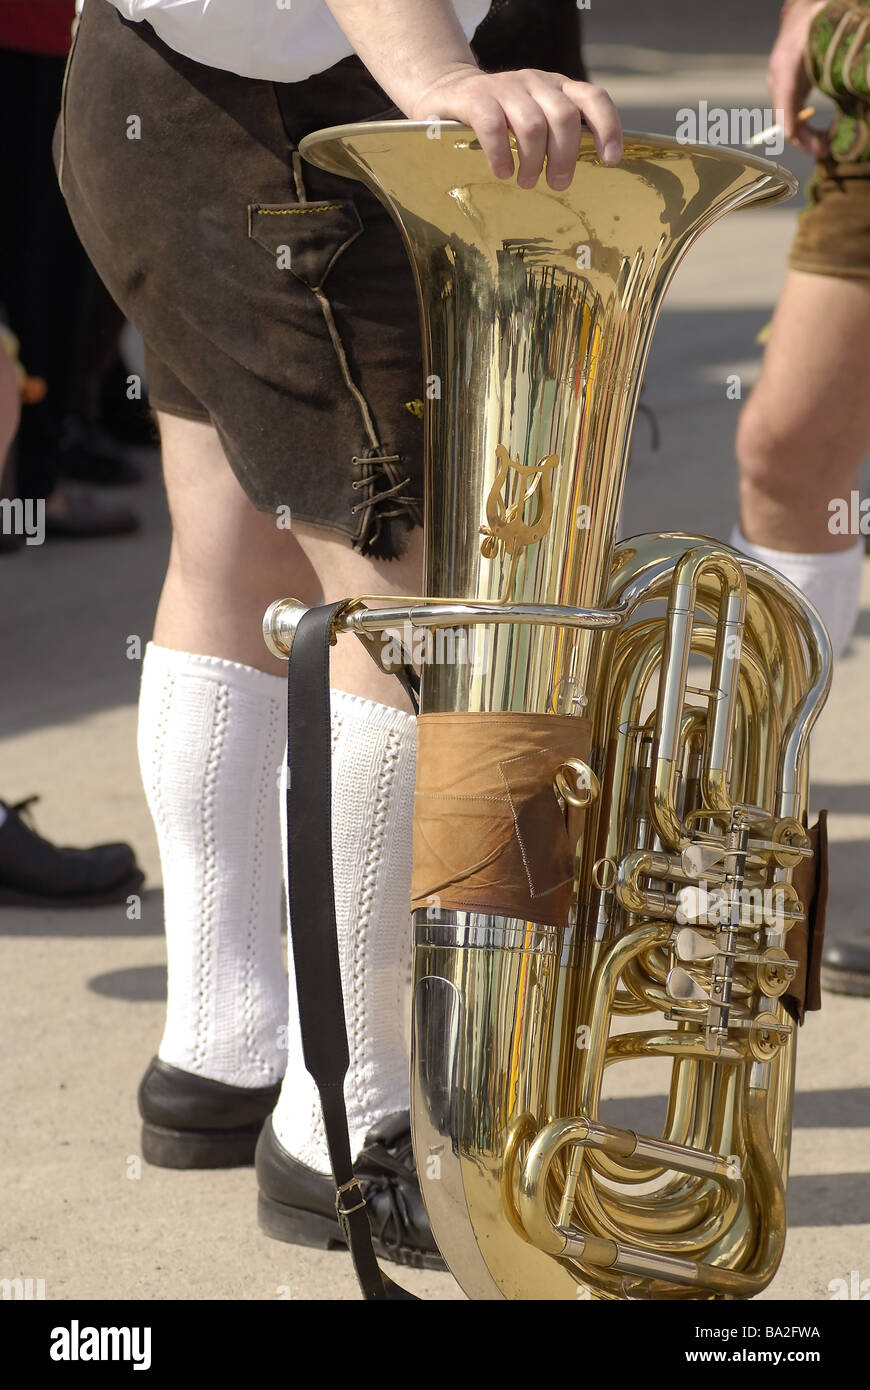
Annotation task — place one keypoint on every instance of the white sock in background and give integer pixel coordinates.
(374, 755)
(212, 736)
(831, 581)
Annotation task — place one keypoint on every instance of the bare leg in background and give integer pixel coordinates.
(801, 440)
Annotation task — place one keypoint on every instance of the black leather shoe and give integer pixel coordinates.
(297, 1204)
(190, 1121)
(846, 965)
(36, 873)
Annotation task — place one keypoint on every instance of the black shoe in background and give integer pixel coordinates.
(36, 873)
(846, 965)
(191, 1121)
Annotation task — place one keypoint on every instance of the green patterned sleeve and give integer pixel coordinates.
(838, 61)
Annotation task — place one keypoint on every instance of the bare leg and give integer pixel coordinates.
(806, 428)
(228, 562)
(347, 574)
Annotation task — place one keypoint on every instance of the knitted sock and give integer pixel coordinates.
(831, 582)
(374, 755)
(211, 742)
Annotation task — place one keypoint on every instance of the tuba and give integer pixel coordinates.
(612, 857)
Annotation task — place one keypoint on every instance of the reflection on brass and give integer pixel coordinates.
(576, 783)
(767, 1035)
(519, 509)
(604, 874)
(539, 351)
(775, 972)
(793, 839)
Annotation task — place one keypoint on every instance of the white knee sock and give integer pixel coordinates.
(374, 754)
(212, 736)
(831, 582)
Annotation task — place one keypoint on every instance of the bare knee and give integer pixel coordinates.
(776, 454)
(220, 541)
(758, 449)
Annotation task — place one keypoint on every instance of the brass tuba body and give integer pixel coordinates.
(612, 769)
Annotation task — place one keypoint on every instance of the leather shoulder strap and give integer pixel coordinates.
(313, 928)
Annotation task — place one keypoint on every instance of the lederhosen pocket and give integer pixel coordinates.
(305, 238)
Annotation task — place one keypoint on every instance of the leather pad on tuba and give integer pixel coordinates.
(489, 832)
(806, 939)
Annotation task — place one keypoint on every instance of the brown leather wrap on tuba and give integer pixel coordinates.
(489, 834)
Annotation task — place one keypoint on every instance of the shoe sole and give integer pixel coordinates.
(178, 1148)
(12, 897)
(295, 1226)
(845, 981)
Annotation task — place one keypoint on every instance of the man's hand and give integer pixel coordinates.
(787, 75)
(420, 56)
(543, 109)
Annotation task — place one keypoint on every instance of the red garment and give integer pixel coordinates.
(37, 26)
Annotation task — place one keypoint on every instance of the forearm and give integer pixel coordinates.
(407, 45)
(417, 51)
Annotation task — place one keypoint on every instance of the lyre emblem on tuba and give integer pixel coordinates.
(519, 508)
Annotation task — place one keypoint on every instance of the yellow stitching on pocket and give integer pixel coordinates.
(319, 248)
(295, 212)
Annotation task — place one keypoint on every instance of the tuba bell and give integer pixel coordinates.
(611, 818)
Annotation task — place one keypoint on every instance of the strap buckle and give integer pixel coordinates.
(340, 1209)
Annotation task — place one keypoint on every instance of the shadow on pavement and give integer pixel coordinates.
(85, 922)
(842, 797)
(833, 1199)
(847, 867)
(140, 984)
(847, 1108)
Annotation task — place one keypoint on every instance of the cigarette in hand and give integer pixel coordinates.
(766, 136)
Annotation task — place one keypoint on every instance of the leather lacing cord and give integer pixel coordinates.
(386, 463)
(397, 1168)
(381, 496)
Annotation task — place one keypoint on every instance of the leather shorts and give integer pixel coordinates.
(833, 235)
(275, 300)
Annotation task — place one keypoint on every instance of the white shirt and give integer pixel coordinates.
(260, 38)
